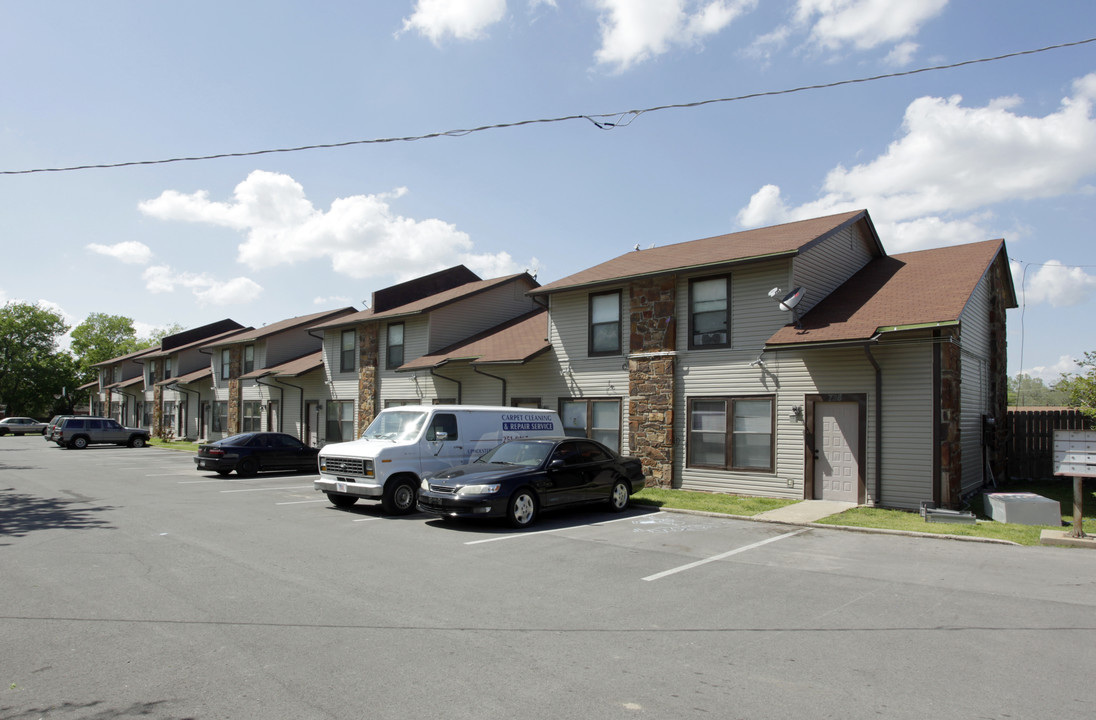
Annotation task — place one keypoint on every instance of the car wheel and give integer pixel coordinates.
(79, 443)
(136, 441)
(247, 467)
(522, 509)
(399, 496)
(618, 496)
(3, 432)
(341, 501)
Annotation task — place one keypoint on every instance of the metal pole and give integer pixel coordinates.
(1078, 494)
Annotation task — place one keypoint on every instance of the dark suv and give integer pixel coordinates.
(81, 431)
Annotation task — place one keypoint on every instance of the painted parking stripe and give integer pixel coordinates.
(541, 532)
(714, 558)
(287, 487)
(301, 502)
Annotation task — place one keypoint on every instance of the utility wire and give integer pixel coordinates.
(606, 121)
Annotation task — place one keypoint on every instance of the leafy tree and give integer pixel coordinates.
(154, 337)
(1080, 388)
(33, 373)
(100, 338)
(1028, 391)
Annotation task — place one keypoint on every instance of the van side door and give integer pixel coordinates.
(443, 443)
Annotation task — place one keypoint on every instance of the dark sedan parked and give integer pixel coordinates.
(520, 478)
(248, 453)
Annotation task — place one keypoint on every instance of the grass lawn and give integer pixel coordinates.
(1060, 490)
(174, 445)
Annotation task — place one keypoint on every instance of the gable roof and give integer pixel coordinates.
(431, 302)
(924, 288)
(128, 356)
(788, 240)
(187, 378)
(199, 342)
(301, 321)
(513, 342)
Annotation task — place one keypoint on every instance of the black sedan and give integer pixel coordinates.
(520, 478)
(248, 453)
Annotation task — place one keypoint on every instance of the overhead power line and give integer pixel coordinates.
(604, 121)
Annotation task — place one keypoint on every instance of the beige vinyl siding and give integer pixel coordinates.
(907, 424)
(418, 385)
(286, 346)
(824, 267)
(974, 384)
(460, 320)
(583, 376)
(340, 386)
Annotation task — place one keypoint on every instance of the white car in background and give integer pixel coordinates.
(21, 426)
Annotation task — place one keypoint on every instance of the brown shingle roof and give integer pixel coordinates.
(912, 289)
(787, 239)
(516, 341)
(427, 304)
(188, 377)
(301, 321)
(290, 368)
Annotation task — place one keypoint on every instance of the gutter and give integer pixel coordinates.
(281, 400)
(459, 387)
(878, 424)
(476, 369)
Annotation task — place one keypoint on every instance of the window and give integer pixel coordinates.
(220, 416)
(167, 368)
(444, 401)
(525, 402)
(401, 403)
(152, 371)
(226, 364)
(340, 421)
(146, 414)
(605, 324)
(249, 358)
(709, 318)
(346, 351)
(442, 423)
(167, 420)
(250, 416)
(395, 346)
(596, 419)
(731, 433)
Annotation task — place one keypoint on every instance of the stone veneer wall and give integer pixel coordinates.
(368, 363)
(951, 454)
(235, 392)
(651, 365)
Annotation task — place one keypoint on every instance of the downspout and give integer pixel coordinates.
(878, 424)
(450, 380)
(475, 368)
(301, 391)
(136, 408)
(281, 400)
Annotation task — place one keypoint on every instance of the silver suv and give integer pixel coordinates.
(81, 431)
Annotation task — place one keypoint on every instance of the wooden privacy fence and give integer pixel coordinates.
(1030, 440)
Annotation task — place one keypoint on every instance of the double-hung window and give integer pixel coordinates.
(394, 346)
(340, 421)
(226, 364)
(709, 312)
(347, 346)
(249, 358)
(251, 416)
(731, 433)
(595, 419)
(220, 416)
(605, 323)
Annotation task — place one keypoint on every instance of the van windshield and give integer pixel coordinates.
(399, 425)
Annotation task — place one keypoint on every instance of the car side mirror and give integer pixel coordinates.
(556, 463)
(441, 435)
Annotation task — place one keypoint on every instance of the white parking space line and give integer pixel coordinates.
(301, 502)
(540, 532)
(287, 487)
(714, 558)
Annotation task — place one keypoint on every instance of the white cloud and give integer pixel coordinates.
(864, 24)
(636, 30)
(133, 253)
(902, 54)
(1051, 374)
(207, 290)
(462, 19)
(360, 235)
(1052, 282)
(934, 185)
(332, 301)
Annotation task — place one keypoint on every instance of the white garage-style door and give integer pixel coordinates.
(836, 467)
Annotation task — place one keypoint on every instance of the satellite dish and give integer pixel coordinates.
(789, 301)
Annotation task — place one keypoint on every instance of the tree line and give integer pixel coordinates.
(38, 378)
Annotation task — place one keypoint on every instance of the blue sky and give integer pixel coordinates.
(1003, 149)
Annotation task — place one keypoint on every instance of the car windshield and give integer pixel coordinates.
(401, 425)
(517, 452)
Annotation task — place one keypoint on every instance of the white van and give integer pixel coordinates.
(403, 444)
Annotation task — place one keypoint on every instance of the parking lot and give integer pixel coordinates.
(134, 585)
